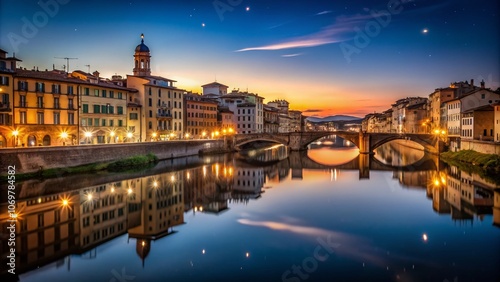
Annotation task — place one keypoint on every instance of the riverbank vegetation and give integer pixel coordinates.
(486, 165)
(131, 163)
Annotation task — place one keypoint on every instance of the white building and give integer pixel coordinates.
(248, 111)
(214, 88)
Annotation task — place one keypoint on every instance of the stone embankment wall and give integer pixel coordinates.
(33, 159)
(480, 146)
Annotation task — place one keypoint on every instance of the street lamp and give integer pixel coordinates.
(88, 135)
(112, 135)
(153, 136)
(64, 136)
(187, 135)
(129, 136)
(15, 133)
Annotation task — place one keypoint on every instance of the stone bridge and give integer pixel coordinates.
(366, 142)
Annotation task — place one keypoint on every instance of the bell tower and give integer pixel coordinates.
(142, 58)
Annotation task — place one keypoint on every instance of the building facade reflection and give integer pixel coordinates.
(53, 225)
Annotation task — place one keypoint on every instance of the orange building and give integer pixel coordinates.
(200, 115)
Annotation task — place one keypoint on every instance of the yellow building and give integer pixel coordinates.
(157, 107)
(103, 110)
(47, 229)
(8, 135)
(45, 108)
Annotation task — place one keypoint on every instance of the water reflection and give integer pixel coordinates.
(153, 204)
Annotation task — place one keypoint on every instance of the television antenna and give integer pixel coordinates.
(88, 67)
(67, 61)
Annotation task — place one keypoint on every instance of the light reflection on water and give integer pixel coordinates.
(249, 219)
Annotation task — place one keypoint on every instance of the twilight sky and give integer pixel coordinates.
(325, 57)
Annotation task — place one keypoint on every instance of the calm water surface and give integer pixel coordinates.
(324, 215)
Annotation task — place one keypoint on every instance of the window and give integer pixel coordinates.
(120, 122)
(150, 113)
(150, 103)
(40, 87)
(71, 118)
(85, 108)
(483, 96)
(103, 93)
(97, 109)
(57, 118)
(39, 102)
(22, 85)
(96, 121)
(111, 122)
(87, 91)
(70, 104)
(150, 125)
(70, 90)
(104, 109)
(111, 94)
(120, 95)
(133, 116)
(56, 88)
(96, 92)
(39, 118)
(22, 117)
(111, 109)
(120, 110)
(103, 122)
(56, 103)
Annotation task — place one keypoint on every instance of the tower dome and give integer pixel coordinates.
(142, 59)
(142, 47)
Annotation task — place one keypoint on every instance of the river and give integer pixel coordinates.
(327, 214)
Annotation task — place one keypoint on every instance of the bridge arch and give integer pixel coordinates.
(427, 141)
(240, 141)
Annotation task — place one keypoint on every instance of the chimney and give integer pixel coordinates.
(482, 84)
(96, 74)
(472, 82)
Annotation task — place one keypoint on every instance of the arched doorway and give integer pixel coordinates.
(46, 140)
(31, 141)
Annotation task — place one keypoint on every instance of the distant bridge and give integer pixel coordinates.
(297, 161)
(366, 142)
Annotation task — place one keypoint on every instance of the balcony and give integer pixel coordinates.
(71, 107)
(164, 106)
(23, 104)
(4, 107)
(39, 105)
(164, 115)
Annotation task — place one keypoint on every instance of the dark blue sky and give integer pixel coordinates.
(329, 57)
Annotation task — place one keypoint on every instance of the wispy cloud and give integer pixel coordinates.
(323, 13)
(313, 111)
(334, 33)
(291, 55)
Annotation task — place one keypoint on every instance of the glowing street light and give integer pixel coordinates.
(64, 136)
(203, 134)
(187, 135)
(88, 135)
(154, 135)
(15, 133)
(65, 202)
